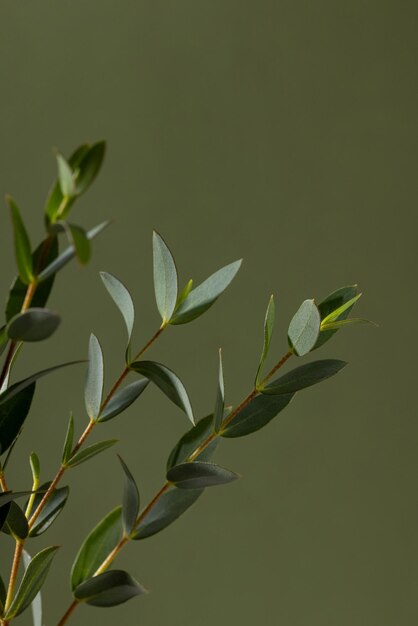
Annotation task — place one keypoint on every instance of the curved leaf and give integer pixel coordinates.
(69, 440)
(123, 399)
(122, 298)
(65, 177)
(4, 339)
(258, 413)
(90, 452)
(191, 440)
(198, 475)
(109, 589)
(13, 413)
(167, 381)
(77, 237)
(304, 328)
(335, 300)
(89, 166)
(21, 243)
(33, 325)
(10, 496)
(204, 295)
(51, 510)
(165, 278)
(36, 603)
(93, 389)
(96, 547)
(268, 332)
(304, 376)
(220, 398)
(130, 506)
(54, 205)
(16, 522)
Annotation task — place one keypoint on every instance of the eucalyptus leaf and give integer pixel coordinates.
(3, 593)
(199, 475)
(32, 581)
(36, 604)
(87, 453)
(304, 328)
(130, 506)
(77, 237)
(34, 324)
(167, 381)
(123, 399)
(334, 301)
(336, 314)
(351, 321)
(16, 522)
(13, 413)
(10, 496)
(4, 339)
(35, 466)
(304, 376)
(69, 441)
(4, 511)
(268, 332)
(55, 206)
(191, 440)
(220, 397)
(51, 510)
(109, 589)
(65, 177)
(8, 373)
(22, 244)
(93, 389)
(184, 293)
(204, 295)
(89, 166)
(122, 298)
(166, 510)
(100, 542)
(165, 278)
(256, 414)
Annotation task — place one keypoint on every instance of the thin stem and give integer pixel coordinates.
(3, 483)
(68, 613)
(13, 574)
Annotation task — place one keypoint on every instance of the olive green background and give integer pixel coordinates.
(284, 132)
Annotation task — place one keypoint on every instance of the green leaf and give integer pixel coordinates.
(350, 322)
(51, 510)
(35, 466)
(77, 237)
(89, 166)
(198, 475)
(130, 506)
(184, 293)
(258, 413)
(331, 303)
(204, 295)
(167, 381)
(89, 452)
(167, 509)
(191, 440)
(8, 373)
(165, 278)
(3, 593)
(13, 413)
(304, 328)
(69, 440)
(123, 399)
(335, 315)
(36, 604)
(93, 389)
(68, 254)
(65, 177)
(4, 339)
(220, 398)
(10, 496)
(44, 255)
(54, 205)
(33, 325)
(268, 332)
(122, 298)
(96, 547)
(22, 244)
(304, 376)
(16, 522)
(109, 589)
(4, 511)
(32, 581)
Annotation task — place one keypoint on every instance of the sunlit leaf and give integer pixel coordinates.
(199, 474)
(130, 506)
(55, 206)
(165, 278)
(109, 589)
(93, 389)
(304, 328)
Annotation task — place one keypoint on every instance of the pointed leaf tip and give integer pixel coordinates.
(165, 278)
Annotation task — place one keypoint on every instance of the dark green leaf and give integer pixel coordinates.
(204, 295)
(9, 496)
(36, 604)
(35, 466)
(97, 546)
(191, 441)
(77, 237)
(165, 278)
(16, 522)
(130, 506)
(33, 325)
(4, 511)
(44, 255)
(220, 397)
(13, 413)
(123, 399)
(3, 594)
(198, 475)
(304, 328)
(90, 451)
(332, 302)
(268, 332)
(32, 581)
(51, 510)
(259, 412)
(68, 254)
(109, 589)
(167, 509)
(22, 244)
(167, 381)
(304, 376)
(89, 166)
(3, 339)
(122, 298)
(65, 177)
(55, 206)
(93, 389)
(69, 440)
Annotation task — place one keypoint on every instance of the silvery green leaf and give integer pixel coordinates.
(220, 397)
(123, 399)
(36, 605)
(51, 510)
(130, 505)
(122, 298)
(304, 328)
(268, 332)
(34, 324)
(65, 177)
(93, 389)
(165, 278)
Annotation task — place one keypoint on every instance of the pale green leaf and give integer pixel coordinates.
(165, 278)
(93, 389)
(122, 298)
(220, 397)
(22, 244)
(304, 328)
(268, 332)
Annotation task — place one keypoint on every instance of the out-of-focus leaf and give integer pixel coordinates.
(167, 381)
(220, 397)
(54, 207)
(68, 254)
(191, 440)
(69, 440)
(258, 413)
(51, 510)
(32, 581)
(350, 322)
(268, 332)
(123, 399)
(3, 593)
(93, 389)
(10, 496)
(122, 298)
(65, 177)
(33, 325)
(35, 465)
(304, 376)
(130, 505)
(89, 166)
(16, 522)
(22, 244)
(167, 509)
(335, 300)
(4, 511)
(204, 295)
(199, 475)
(13, 413)
(100, 542)
(90, 452)
(36, 604)
(109, 589)
(304, 328)
(165, 278)
(77, 237)
(3, 339)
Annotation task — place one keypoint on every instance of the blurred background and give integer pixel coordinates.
(284, 132)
